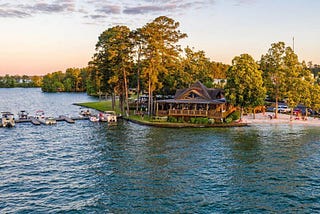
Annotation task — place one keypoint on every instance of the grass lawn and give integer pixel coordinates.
(100, 106)
(107, 106)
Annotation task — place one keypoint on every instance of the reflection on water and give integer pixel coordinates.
(94, 168)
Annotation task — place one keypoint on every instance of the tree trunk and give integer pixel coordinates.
(138, 81)
(126, 91)
(149, 96)
(276, 113)
(113, 100)
(151, 103)
(121, 106)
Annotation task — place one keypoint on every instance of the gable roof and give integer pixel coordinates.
(201, 90)
(197, 93)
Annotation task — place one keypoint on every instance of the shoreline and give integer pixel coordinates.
(99, 107)
(186, 125)
(247, 120)
(261, 119)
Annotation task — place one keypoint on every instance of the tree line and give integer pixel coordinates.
(24, 81)
(151, 60)
(278, 75)
(72, 80)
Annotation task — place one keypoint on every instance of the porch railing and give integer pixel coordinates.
(196, 113)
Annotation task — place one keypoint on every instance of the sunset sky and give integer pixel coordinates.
(40, 37)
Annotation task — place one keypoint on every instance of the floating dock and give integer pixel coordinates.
(65, 118)
(34, 121)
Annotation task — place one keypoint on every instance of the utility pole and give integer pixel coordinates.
(293, 44)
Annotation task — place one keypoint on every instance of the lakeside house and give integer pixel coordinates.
(195, 101)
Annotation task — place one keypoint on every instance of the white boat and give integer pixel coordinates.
(7, 119)
(43, 119)
(94, 118)
(108, 116)
(85, 113)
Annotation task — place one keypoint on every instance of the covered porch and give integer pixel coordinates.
(215, 109)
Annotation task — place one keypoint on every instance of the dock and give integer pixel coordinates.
(65, 118)
(34, 121)
(61, 118)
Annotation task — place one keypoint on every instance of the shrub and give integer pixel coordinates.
(229, 119)
(192, 120)
(172, 119)
(235, 115)
(204, 120)
(180, 120)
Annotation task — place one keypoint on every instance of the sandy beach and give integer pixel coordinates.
(261, 118)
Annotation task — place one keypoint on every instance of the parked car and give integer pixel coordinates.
(271, 109)
(302, 111)
(283, 109)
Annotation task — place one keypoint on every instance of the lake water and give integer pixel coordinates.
(95, 168)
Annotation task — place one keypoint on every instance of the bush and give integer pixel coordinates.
(201, 120)
(192, 120)
(235, 115)
(180, 120)
(172, 119)
(204, 121)
(229, 119)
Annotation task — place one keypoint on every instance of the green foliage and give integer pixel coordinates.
(153, 63)
(73, 80)
(235, 115)
(24, 81)
(160, 52)
(286, 78)
(193, 66)
(113, 62)
(244, 86)
(101, 106)
(172, 119)
(228, 119)
(201, 120)
(180, 120)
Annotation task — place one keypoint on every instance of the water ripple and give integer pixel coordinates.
(94, 168)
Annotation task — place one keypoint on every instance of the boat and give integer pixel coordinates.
(108, 116)
(94, 118)
(85, 113)
(23, 115)
(43, 119)
(7, 119)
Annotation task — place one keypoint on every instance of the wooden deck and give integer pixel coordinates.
(196, 113)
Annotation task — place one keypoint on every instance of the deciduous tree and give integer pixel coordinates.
(244, 86)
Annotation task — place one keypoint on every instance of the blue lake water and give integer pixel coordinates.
(95, 168)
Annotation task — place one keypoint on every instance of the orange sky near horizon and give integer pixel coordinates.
(41, 37)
